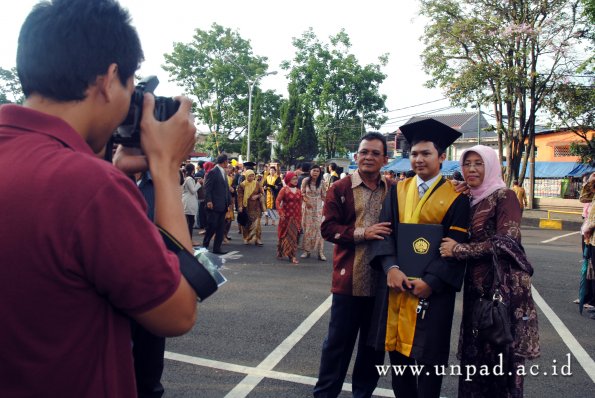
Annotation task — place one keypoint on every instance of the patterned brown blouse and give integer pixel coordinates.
(496, 216)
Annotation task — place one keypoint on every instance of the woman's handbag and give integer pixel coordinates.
(243, 218)
(491, 320)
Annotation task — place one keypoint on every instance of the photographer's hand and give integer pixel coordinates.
(166, 144)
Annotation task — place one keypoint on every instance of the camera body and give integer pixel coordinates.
(128, 133)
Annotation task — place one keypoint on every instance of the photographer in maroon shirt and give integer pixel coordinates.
(78, 266)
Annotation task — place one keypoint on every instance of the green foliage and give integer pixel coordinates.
(510, 55)
(290, 120)
(297, 137)
(589, 9)
(10, 87)
(336, 89)
(584, 150)
(214, 70)
(572, 107)
(265, 122)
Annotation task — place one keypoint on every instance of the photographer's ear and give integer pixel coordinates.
(106, 83)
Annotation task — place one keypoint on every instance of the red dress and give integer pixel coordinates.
(289, 205)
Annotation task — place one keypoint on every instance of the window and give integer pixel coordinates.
(562, 151)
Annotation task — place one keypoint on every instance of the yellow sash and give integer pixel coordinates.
(411, 215)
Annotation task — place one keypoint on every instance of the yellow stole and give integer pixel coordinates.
(402, 315)
(271, 179)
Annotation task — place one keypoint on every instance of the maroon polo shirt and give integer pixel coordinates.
(77, 255)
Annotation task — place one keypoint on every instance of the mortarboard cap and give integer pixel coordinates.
(430, 130)
(249, 165)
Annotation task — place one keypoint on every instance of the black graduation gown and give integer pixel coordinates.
(431, 343)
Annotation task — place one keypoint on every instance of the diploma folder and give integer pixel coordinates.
(417, 245)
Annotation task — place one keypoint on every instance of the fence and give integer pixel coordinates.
(567, 188)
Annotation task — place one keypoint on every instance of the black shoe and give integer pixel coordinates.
(219, 252)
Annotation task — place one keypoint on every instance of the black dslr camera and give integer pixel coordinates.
(128, 134)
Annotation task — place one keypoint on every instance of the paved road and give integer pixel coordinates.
(260, 335)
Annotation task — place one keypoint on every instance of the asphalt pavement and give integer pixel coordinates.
(261, 334)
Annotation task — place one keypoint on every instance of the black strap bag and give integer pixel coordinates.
(491, 320)
(243, 218)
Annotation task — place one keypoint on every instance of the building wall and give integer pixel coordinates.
(456, 150)
(554, 147)
(551, 147)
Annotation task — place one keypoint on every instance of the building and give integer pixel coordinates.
(557, 172)
(474, 127)
(554, 145)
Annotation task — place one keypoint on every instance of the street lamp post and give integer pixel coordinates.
(478, 106)
(478, 123)
(251, 84)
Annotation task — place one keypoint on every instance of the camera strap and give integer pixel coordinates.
(195, 273)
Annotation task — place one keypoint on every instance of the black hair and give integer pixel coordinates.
(439, 149)
(306, 166)
(65, 44)
(410, 174)
(457, 176)
(201, 163)
(222, 158)
(371, 136)
(318, 180)
(189, 169)
(333, 166)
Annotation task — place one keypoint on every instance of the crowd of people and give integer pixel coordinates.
(291, 200)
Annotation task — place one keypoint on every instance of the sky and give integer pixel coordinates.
(375, 27)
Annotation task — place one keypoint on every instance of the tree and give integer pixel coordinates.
(10, 87)
(297, 138)
(214, 70)
(573, 108)
(342, 95)
(589, 9)
(510, 54)
(290, 118)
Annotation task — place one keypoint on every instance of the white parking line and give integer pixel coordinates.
(254, 375)
(262, 373)
(264, 369)
(573, 345)
(251, 381)
(560, 237)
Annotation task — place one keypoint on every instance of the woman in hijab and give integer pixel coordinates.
(495, 229)
(249, 193)
(289, 206)
(208, 166)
